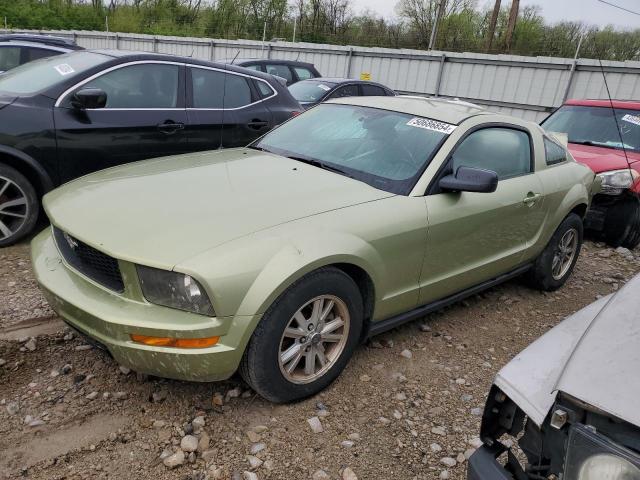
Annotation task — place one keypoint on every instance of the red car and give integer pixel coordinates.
(610, 146)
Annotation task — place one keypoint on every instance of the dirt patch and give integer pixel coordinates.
(386, 416)
(32, 327)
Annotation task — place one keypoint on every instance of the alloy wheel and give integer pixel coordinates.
(14, 208)
(314, 339)
(564, 254)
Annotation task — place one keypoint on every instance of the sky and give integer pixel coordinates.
(588, 11)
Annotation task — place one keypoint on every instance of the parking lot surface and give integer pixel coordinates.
(408, 405)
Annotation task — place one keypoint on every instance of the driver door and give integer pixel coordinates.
(474, 237)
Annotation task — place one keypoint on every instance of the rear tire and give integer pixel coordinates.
(556, 262)
(294, 352)
(622, 224)
(19, 206)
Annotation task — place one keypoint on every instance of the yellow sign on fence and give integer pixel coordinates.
(365, 76)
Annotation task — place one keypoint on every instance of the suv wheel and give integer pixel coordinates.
(555, 264)
(306, 337)
(18, 206)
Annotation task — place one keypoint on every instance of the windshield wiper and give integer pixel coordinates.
(319, 164)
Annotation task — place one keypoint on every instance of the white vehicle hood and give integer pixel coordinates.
(594, 356)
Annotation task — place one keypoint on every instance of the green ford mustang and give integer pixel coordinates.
(278, 259)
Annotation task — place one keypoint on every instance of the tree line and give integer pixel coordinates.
(462, 25)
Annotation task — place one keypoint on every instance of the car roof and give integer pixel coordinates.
(444, 110)
(40, 40)
(339, 81)
(137, 55)
(630, 104)
(274, 61)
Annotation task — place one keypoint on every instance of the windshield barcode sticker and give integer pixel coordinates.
(635, 119)
(64, 69)
(431, 125)
(324, 87)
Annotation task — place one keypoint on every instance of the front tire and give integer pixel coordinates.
(306, 338)
(19, 207)
(556, 262)
(622, 224)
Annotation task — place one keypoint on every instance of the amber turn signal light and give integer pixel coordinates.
(175, 342)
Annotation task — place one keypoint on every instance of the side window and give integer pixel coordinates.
(372, 91)
(149, 85)
(506, 151)
(254, 67)
(303, 73)
(264, 89)
(281, 71)
(36, 53)
(553, 152)
(236, 92)
(346, 91)
(214, 89)
(9, 58)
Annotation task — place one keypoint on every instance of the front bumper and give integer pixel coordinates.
(110, 318)
(484, 466)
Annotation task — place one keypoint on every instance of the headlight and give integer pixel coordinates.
(616, 181)
(175, 290)
(591, 456)
(607, 467)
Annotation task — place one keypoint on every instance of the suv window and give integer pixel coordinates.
(346, 91)
(372, 91)
(281, 71)
(210, 90)
(505, 151)
(303, 73)
(554, 153)
(254, 67)
(9, 58)
(265, 90)
(140, 86)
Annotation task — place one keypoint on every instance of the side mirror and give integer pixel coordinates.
(470, 179)
(89, 98)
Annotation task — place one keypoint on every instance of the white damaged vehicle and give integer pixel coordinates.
(571, 401)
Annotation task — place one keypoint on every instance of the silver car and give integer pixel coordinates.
(571, 400)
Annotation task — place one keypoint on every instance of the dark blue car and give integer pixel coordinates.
(313, 91)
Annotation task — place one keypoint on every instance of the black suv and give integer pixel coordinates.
(65, 116)
(291, 70)
(19, 48)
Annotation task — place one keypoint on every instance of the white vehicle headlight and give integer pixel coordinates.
(175, 290)
(608, 467)
(616, 181)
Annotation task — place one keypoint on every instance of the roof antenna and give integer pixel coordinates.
(234, 58)
(299, 52)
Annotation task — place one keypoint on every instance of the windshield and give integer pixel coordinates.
(39, 75)
(597, 126)
(386, 149)
(309, 91)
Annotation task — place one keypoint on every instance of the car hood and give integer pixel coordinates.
(602, 159)
(593, 355)
(163, 211)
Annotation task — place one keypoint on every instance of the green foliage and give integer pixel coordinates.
(463, 27)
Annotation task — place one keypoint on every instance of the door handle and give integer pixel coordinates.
(257, 124)
(531, 199)
(169, 127)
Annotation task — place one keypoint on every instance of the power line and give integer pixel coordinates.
(618, 6)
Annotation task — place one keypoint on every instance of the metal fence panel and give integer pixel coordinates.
(529, 87)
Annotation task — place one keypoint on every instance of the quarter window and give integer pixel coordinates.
(281, 71)
(554, 153)
(214, 89)
(265, 90)
(505, 151)
(140, 86)
(303, 73)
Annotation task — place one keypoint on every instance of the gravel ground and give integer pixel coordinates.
(408, 405)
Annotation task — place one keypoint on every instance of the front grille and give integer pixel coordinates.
(90, 262)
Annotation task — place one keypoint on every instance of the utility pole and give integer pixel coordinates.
(106, 22)
(513, 18)
(264, 37)
(295, 24)
(492, 26)
(436, 23)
